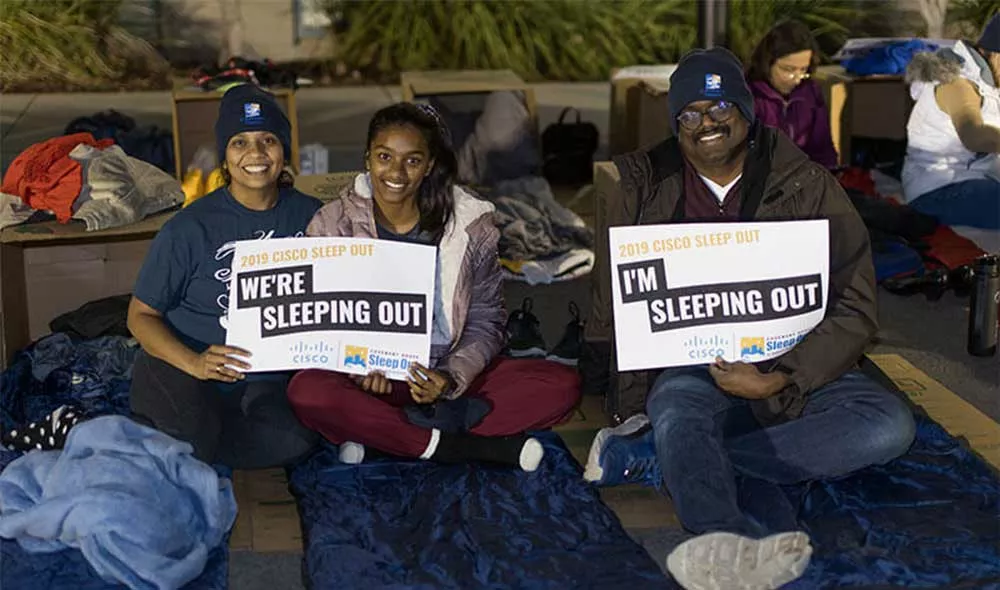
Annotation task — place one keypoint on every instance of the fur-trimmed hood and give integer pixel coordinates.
(942, 66)
(948, 64)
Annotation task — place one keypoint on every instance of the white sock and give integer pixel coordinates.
(352, 453)
(726, 561)
(531, 455)
(432, 445)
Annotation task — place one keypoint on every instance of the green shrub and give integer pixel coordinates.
(561, 39)
(72, 45)
(830, 21)
(972, 15)
(550, 39)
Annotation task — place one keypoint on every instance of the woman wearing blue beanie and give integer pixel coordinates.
(186, 381)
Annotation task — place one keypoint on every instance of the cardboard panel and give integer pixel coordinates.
(957, 416)
(622, 118)
(880, 108)
(324, 187)
(876, 107)
(652, 118)
(268, 519)
(417, 84)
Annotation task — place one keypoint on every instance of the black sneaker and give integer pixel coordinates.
(524, 333)
(567, 352)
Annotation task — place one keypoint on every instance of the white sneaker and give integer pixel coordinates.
(352, 453)
(726, 561)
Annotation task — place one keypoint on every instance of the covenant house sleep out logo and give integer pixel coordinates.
(288, 305)
(698, 305)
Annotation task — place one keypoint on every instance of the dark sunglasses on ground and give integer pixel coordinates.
(720, 112)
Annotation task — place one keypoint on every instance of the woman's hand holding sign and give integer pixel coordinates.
(375, 382)
(745, 380)
(427, 385)
(216, 363)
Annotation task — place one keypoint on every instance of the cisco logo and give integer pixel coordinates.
(319, 353)
(703, 349)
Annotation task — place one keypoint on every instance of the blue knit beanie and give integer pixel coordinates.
(248, 108)
(709, 74)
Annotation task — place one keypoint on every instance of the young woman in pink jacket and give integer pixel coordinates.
(408, 193)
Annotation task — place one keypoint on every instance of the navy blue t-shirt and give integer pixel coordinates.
(186, 274)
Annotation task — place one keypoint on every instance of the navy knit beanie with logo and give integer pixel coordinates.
(248, 108)
(990, 39)
(709, 74)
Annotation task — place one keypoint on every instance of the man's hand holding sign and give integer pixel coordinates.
(355, 306)
(745, 380)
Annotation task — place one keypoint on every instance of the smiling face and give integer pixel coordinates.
(254, 159)
(788, 71)
(711, 132)
(398, 160)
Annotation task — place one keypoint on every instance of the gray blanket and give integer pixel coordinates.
(533, 225)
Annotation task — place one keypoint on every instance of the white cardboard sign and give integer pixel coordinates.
(343, 304)
(686, 293)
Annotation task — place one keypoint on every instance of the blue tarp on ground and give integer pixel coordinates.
(930, 519)
(420, 525)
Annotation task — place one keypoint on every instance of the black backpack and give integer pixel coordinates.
(568, 150)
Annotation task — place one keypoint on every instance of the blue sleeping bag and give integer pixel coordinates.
(421, 525)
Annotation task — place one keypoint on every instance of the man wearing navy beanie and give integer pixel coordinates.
(709, 74)
(815, 415)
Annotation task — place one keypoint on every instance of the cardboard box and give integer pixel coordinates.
(622, 125)
(195, 114)
(268, 517)
(648, 102)
(875, 107)
(418, 84)
(324, 187)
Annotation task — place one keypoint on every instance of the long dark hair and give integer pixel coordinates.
(434, 197)
(790, 36)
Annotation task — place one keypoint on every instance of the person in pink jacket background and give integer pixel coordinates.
(784, 95)
(408, 193)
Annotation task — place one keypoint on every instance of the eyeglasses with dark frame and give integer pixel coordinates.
(720, 112)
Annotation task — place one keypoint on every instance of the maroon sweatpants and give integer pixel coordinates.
(525, 394)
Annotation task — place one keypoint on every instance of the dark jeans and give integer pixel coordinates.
(703, 443)
(974, 203)
(249, 426)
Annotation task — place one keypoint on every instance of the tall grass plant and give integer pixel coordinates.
(59, 45)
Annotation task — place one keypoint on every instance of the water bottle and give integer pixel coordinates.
(983, 307)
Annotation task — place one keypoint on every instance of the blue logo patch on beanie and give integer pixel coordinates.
(252, 114)
(713, 85)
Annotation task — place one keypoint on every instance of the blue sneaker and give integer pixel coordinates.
(624, 454)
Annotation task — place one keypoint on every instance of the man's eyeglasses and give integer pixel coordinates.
(719, 112)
